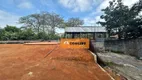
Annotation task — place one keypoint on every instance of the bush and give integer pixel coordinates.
(53, 37)
(14, 33)
(27, 34)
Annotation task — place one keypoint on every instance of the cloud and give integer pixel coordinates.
(8, 19)
(92, 21)
(89, 21)
(79, 5)
(140, 13)
(25, 5)
(129, 3)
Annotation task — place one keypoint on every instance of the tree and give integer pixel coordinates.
(43, 36)
(11, 28)
(119, 18)
(27, 34)
(10, 36)
(114, 16)
(54, 20)
(1, 33)
(10, 33)
(32, 21)
(14, 33)
(40, 22)
(74, 22)
(134, 29)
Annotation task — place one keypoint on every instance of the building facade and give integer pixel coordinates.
(92, 32)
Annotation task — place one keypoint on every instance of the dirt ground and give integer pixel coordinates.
(28, 62)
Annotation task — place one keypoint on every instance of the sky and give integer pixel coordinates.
(88, 10)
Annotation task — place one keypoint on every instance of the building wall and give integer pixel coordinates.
(131, 47)
(100, 37)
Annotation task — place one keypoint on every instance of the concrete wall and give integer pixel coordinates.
(131, 47)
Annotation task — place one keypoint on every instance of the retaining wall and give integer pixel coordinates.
(131, 47)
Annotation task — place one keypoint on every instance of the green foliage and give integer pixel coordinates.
(11, 29)
(122, 20)
(10, 36)
(53, 37)
(42, 35)
(14, 33)
(27, 34)
(9, 33)
(1, 33)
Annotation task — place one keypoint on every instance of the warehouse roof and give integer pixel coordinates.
(85, 29)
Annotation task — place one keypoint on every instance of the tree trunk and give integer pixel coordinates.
(119, 34)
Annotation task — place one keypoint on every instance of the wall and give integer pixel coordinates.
(131, 47)
(93, 49)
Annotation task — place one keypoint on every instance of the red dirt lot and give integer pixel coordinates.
(28, 62)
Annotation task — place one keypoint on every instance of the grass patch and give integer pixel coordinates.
(110, 64)
(119, 52)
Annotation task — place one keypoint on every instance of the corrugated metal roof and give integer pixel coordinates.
(85, 29)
